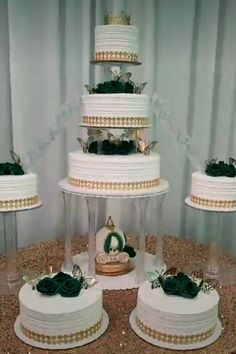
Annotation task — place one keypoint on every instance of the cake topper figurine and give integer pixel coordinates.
(120, 19)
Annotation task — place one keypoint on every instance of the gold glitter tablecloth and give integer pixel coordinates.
(119, 338)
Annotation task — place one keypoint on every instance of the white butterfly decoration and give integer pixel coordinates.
(115, 139)
(15, 158)
(86, 280)
(145, 147)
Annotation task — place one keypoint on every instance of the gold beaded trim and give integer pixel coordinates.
(175, 339)
(18, 203)
(116, 56)
(113, 186)
(62, 339)
(115, 122)
(214, 203)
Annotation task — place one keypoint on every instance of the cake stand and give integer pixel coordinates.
(10, 276)
(134, 278)
(213, 268)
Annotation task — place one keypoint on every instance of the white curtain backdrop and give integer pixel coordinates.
(188, 51)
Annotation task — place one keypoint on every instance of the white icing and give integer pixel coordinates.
(177, 315)
(116, 38)
(18, 187)
(117, 169)
(57, 315)
(208, 187)
(115, 105)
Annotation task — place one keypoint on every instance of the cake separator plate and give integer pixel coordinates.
(173, 346)
(33, 343)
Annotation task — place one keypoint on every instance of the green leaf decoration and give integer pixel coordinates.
(107, 243)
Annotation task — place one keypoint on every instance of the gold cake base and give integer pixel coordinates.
(113, 269)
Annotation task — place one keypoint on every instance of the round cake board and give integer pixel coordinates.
(172, 346)
(119, 282)
(10, 210)
(207, 208)
(162, 188)
(80, 343)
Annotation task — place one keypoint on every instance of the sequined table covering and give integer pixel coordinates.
(119, 338)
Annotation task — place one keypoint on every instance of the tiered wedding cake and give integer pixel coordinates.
(18, 190)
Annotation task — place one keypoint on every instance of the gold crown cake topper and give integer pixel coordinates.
(119, 19)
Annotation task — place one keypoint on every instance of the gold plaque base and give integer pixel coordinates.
(113, 269)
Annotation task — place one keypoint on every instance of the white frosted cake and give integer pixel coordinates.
(213, 192)
(17, 192)
(115, 110)
(116, 40)
(56, 322)
(176, 322)
(128, 174)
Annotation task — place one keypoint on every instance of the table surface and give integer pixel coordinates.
(119, 337)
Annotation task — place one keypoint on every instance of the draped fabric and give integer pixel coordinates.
(188, 51)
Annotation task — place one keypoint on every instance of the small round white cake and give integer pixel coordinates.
(115, 110)
(116, 43)
(57, 322)
(176, 322)
(114, 174)
(212, 193)
(18, 192)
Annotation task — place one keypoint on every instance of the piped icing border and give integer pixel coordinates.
(62, 339)
(116, 56)
(115, 121)
(213, 202)
(175, 339)
(19, 203)
(114, 186)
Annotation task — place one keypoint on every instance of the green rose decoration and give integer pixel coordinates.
(171, 286)
(181, 276)
(130, 250)
(214, 170)
(60, 277)
(8, 168)
(189, 289)
(70, 288)
(217, 169)
(47, 286)
(114, 86)
(93, 147)
(229, 170)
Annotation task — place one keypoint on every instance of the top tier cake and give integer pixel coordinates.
(116, 40)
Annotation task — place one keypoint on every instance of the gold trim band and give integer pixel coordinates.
(115, 121)
(18, 203)
(113, 186)
(62, 339)
(116, 56)
(175, 339)
(213, 203)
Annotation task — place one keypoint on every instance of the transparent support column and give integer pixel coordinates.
(159, 263)
(91, 204)
(10, 276)
(142, 205)
(68, 260)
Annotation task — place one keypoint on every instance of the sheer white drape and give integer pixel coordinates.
(188, 51)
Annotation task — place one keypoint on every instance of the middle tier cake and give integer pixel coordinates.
(120, 174)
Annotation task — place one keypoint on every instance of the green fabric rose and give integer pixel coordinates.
(130, 250)
(214, 170)
(8, 168)
(47, 286)
(114, 86)
(221, 168)
(189, 289)
(229, 170)
(171, 286)
(60, 277)
(70, 288)
(181, 276)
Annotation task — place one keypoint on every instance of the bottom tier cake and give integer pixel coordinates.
(175, 322)
(56, 322)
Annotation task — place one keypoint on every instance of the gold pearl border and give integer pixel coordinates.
(62, 339)
(175, 339)
(18, 203)
(116, 56)
(213, 203)
(115, 121)
(113, 186)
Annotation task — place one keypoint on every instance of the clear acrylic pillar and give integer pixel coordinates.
(142, 205)
(10, 276)
(159, 262)
(91, 204)
(68, 260)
